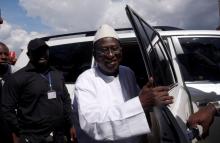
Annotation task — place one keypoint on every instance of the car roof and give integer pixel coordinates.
(127, 33)
(189, 32)
(57, 41)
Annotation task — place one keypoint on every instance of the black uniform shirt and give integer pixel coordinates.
(3, 78)
(26, 90)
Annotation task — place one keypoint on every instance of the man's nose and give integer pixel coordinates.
(110, 53)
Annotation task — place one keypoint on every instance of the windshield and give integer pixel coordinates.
(200, 58)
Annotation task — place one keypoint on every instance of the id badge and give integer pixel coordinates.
(51, 94)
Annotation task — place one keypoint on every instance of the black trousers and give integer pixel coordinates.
(58, 137)
(5, 133)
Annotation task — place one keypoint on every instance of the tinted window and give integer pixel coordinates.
(132, 58)
(200, 59)
(161, 67)
(71, 59)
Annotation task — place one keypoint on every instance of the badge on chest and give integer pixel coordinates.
(51, 94)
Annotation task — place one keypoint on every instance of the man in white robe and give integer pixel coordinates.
(110, 106)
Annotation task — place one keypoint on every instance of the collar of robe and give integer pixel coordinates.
(106, 78)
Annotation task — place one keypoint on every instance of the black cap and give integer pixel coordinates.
(36, 44)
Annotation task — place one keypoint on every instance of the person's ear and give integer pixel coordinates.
(93, 52)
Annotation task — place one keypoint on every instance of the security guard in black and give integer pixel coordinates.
(36, 101)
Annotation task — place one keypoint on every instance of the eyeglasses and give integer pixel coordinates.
(106, 51)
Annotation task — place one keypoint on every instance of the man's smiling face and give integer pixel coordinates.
(108, 54)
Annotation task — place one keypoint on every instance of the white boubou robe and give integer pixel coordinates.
(109, 108)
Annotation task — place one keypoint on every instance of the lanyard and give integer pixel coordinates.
(48, 79)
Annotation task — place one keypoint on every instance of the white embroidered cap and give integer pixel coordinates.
(105, 31)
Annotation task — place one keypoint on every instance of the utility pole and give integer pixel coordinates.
(218, 28)
(1, 20)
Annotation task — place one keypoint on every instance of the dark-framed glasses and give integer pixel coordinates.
(107, 51)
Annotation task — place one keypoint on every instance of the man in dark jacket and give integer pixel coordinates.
(5, 70)
(35, 101)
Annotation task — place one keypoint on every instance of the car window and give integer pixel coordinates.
(132, 58)
(146, 35)
(200, 59)
(160, 65)
(71, 59)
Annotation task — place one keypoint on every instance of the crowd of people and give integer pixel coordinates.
(108, 105)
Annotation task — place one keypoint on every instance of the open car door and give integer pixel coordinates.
(165, 127)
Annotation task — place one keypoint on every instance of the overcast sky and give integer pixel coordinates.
(26, 19)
